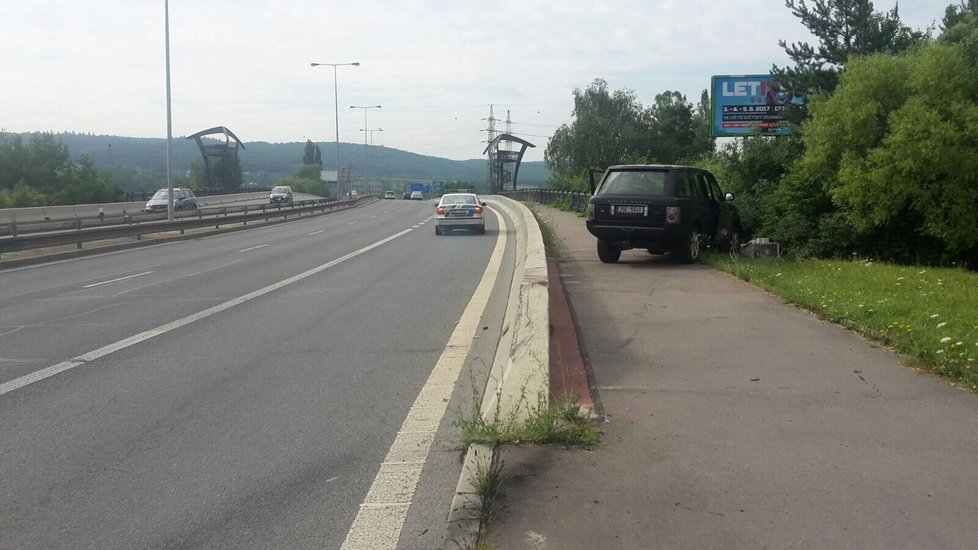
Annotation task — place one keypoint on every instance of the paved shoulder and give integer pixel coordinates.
(736, 420)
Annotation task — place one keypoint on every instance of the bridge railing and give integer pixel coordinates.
(31, 235)
(574, 200)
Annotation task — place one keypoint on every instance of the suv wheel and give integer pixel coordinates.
(689, 251)
(733, 244)
(607, 252)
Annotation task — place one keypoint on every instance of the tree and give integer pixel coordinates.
(844, 28)
(312, 154)
(608, 128)
(889, 166)
(959, 13)
(677, 131)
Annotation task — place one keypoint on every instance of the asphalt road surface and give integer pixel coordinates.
(234, 391)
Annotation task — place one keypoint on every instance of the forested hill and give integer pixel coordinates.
(139, 162)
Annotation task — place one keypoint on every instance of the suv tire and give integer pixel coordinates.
(733, 243)
(689, 251)
(607, 252)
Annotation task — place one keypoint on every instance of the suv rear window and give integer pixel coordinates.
(634, 182)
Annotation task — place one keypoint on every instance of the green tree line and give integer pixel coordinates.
(40, 172)
(883, 164)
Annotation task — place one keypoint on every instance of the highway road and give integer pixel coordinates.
(240, 390)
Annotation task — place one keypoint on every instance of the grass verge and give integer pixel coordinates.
(929, 314)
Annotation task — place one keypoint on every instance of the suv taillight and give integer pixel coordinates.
(589, 212)
(672, 214)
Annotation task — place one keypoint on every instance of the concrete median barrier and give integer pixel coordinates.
(519, 377)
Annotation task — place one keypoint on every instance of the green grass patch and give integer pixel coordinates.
(547, 232)
(563, 203)
(929, 314)
(561, 423)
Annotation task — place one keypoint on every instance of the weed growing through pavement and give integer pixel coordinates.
(930, 314)
(488, 476)
(541, 423)
(547, 232)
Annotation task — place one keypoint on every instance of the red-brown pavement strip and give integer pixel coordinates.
(568, 377)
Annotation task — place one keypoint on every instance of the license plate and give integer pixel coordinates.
(629, 209)
(459, 213)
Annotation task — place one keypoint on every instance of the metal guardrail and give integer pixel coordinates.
(578, 201)
(81, 230)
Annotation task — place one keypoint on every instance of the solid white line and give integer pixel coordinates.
(351, 223)
(317, 232)
(379, 521)
(117, 280)
(253, 248)
(48, 372)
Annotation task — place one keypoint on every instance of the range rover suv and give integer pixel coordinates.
(663, 209)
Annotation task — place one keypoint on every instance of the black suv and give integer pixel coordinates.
(661, 208)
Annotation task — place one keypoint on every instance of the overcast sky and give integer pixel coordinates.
(435, 66)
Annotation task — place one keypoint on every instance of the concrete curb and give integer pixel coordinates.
(519, 375)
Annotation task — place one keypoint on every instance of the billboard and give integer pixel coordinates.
(745, 105)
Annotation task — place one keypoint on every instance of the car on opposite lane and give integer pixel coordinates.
(183, 199)
(281, 194)
(460, 211)
(388, 194)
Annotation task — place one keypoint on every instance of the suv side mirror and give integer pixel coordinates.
(728, 197)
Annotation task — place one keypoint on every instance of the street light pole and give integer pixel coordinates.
(336, 107)
(366, 163)
(169, 116)
(371, 132)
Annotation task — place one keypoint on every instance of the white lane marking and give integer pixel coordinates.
(48, 372)
(117, 280)
(382, 514)
(194, 274)
(351, 223)
(372, 217)
(253, 248)
(12, 330)
(316, 232)
(84, 258)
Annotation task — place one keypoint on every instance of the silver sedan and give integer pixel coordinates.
(460, 211)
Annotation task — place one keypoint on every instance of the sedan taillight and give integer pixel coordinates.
(478, 209)
(440, 211)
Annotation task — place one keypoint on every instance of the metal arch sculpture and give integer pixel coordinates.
(227, 152)
(498, 159)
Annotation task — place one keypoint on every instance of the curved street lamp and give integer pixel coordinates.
(336, 106)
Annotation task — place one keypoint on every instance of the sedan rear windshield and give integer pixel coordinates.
(634, 182)
(458, 199)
